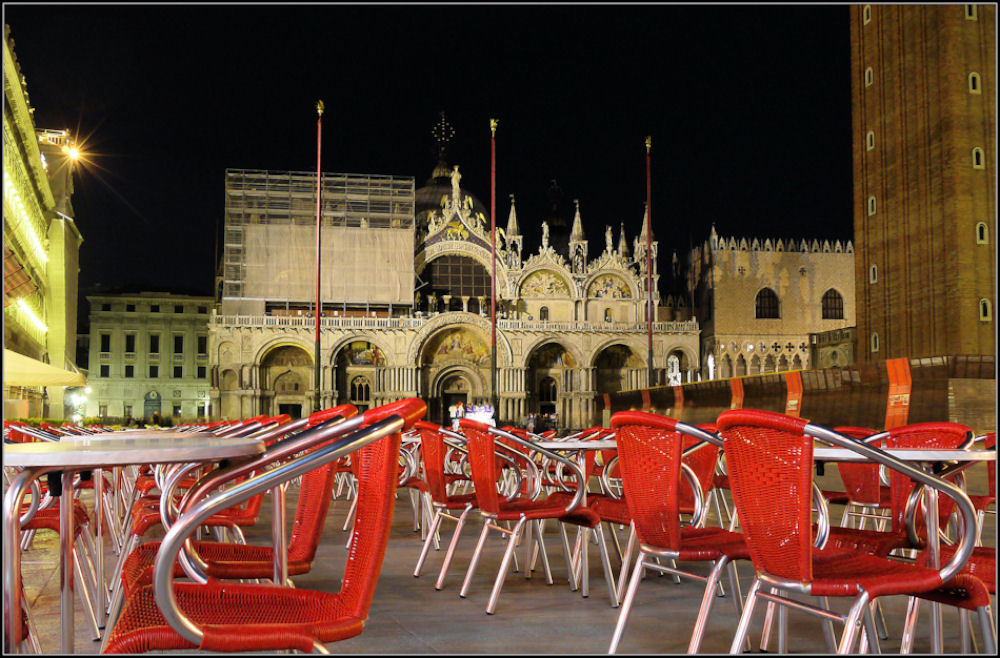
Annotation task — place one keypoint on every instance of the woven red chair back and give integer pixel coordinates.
(920, 435)
(770, 463)
(377, 480)
(482, 463)
(315, 494)
(702, 462)
(861, 481)
(432, 449)
(649, 458)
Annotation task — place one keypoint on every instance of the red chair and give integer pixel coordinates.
(650, 459)
(867, 497)
(433, 449)
(242, 617)
(242, 561)
(524, 511)
(770, 459)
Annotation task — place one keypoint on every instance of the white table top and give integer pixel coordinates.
(146, 448)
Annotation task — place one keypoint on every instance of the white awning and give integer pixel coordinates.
(21, 370)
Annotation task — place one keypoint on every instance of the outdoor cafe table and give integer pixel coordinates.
(80, 454)
(927, 459)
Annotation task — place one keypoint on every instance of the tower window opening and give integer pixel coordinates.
(873, 274)
(875, 342)
(985, 310)
(869, 77)
(870, 140)
(982, 233)
(866, 14)
(970, 13)
(871, 205)
(977, 158)
(975, 83)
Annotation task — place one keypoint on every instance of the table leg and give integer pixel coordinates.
(933, 544)
(100, 592)
(12, 557)
(66, 531)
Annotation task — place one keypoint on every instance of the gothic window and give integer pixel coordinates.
(673, 370)
(767, 304)
(769, 364)
(543, 314)
(726, 368)
(741, 366)
(607, 315)
(977, 158)
(982, 233)
(360, 390)
(755, 365)
(866, 14)
(833, 305)
(975, 83)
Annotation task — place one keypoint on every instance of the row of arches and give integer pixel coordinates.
(454, 366)
(755, 366)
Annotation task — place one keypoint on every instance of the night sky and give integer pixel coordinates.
(748, 108)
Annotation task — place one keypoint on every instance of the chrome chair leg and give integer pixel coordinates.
(451, 547)
(626, 606)
(504, 565)
(573, 584)
(706, 604)
(427, 542)
(744, 624)
(475, 559)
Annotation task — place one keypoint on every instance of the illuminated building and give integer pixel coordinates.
(41, 244)
(406, 303)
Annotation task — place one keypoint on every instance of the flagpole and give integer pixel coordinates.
(649, 268)
(493, 275)
(319, 303)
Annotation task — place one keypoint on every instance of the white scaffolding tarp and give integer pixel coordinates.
(358, 265)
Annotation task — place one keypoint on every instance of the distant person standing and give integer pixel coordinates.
(156, 419)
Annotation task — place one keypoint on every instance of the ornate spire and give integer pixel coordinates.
(622, 243)
(576, 235)
(512, 229)
(645, 224)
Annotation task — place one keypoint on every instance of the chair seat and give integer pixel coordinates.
(48, 519)
(460, 501)
(872, 542)
(415, 483)
(711, 544)
(611, 510)
(840, 572)
(235, 617)
(836, 497)
(962, 591)
(980, 503)
(225, 561)
(146, 515)
(552, 507)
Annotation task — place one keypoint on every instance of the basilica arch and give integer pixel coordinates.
(455, 367)
(551, 373)
(286, 380)
(355, 363)
(618, 367)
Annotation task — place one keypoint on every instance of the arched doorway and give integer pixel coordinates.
(151, 404)
(455, 367)
(355, 372)
(614, 367)
(285, 373)
(550, 372)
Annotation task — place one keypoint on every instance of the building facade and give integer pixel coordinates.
(571, 323)
(923, 85)
(41, 244)
(148, 355)
(758, 301)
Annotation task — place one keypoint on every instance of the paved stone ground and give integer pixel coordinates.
(409, 616)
